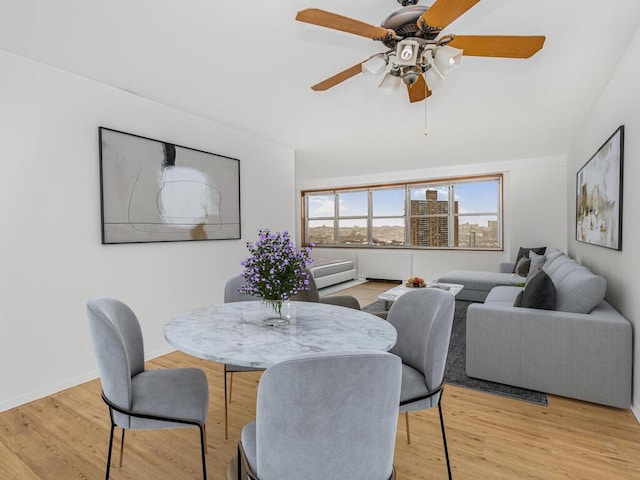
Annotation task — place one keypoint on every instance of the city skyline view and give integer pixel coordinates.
(473, 216)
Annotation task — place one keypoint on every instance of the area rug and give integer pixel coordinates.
(455, 370)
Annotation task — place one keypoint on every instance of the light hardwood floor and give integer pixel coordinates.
(64, 436)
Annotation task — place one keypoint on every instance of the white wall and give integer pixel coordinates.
(51, 259)
(618, 105)
(534, 211)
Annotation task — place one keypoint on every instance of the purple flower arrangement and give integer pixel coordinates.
(275, 270)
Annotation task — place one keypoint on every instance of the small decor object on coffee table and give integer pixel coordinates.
(416, 282)
(275, 271)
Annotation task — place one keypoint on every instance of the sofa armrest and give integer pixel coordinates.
(506, 267)
(583, 356)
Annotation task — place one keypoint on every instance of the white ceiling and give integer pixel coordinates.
(249, 65)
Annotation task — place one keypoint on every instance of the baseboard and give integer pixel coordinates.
(635, 409)
(160, 352)
(71, 382)
(46, 391)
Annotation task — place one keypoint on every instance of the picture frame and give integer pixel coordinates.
(156, 191)
(599, 185)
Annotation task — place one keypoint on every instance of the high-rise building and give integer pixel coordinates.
(430, 221)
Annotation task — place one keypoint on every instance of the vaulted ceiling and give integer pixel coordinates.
(250, 65)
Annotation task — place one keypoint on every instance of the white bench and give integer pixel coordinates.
(330, 272)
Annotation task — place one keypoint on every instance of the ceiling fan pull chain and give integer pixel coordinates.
(426, 88)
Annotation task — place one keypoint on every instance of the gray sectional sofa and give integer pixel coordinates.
(582, 349)
(478, 284)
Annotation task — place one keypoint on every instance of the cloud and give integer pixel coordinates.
(320, 205)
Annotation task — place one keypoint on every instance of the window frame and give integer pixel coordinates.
(451, 215)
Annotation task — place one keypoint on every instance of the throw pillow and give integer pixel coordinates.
(536, 260)
(524, 252)
(522, 267)
(540, 292)
(518, 300)
(532, 273)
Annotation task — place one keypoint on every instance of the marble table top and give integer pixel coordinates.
(234, 333)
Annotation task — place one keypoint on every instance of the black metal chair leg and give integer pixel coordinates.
(110, 449)
(121, 448)
(203, 451)
(444, 440)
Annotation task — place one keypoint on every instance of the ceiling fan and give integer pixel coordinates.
(417, 56)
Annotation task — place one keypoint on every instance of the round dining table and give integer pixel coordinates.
(234, 333)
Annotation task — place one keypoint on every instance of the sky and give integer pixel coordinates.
(476, 197)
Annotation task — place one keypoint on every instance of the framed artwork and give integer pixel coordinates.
(599, 195)
(154, 191)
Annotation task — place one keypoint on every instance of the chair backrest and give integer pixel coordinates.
(328, 416)
(231, 293)
(310, 295)
(423, 319)
(119, 350)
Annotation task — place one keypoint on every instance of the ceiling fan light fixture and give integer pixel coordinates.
(433, 77)
(407, 52)
(410, 76)
(375, 65)
(390, 84)
(375, 69)
(447, 58)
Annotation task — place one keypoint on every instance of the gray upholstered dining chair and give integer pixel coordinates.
(423, 319)
(324, 416)
(137, 398)
(312, 295)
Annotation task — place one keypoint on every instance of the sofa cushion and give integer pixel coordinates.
(502, 296)
(479, 280)
(540, 292)
(552, 254)
(554, 264)
(580, 291)
(524, 252)
(564, 270)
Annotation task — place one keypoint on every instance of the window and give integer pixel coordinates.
(320, 219)
(429, 216)
(459, 213)
(477, 214)
(387, 216)
(353, 214)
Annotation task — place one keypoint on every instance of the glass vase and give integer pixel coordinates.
(276, 311)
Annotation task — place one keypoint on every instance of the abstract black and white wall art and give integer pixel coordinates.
(154, 191)
(599, 195)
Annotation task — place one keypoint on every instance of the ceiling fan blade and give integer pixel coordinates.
(443, 12)
(418, 91)
(507, 46)
(338, 78)
(323, 18)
